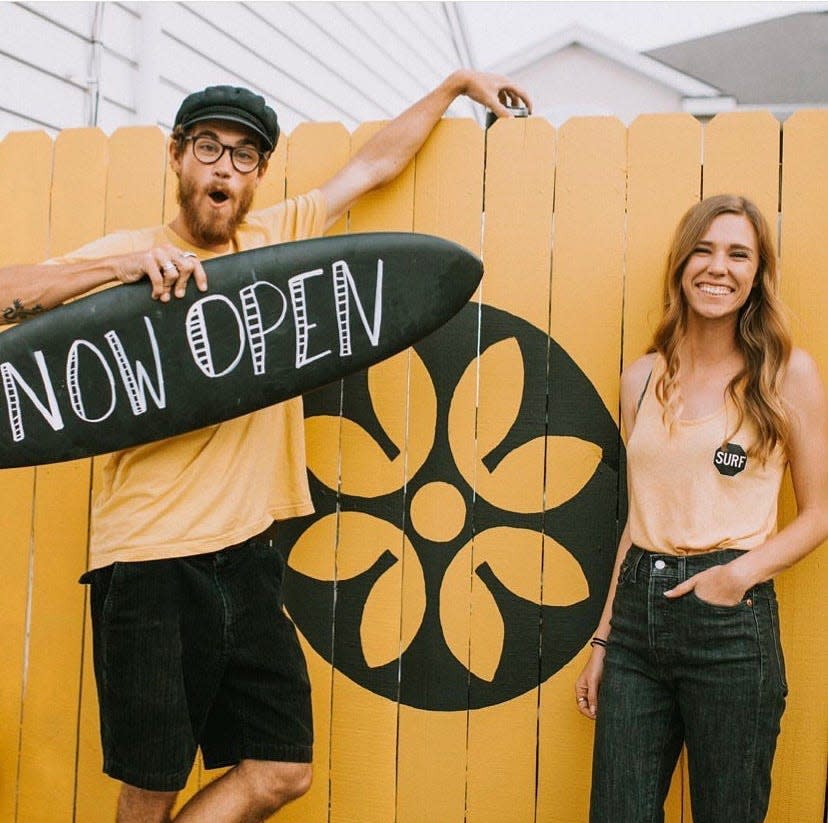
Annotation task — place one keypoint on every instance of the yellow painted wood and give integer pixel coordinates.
(664, 180)
(520, 167)
(271, 189)
(431, 770)
(25, 180)
(802, 755)
(390, 208)
(314, 153)
(364, 725)
(78, 189)
(26, 160)
(16, 491)
(449, 192)
(50, 715)
(589, 250)
(517, 241)
(741, 156)
(585, 319)
(135, 180)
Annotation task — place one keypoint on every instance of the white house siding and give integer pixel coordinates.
(66, 64)
(577, 81)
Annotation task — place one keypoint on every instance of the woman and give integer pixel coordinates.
(712, 414)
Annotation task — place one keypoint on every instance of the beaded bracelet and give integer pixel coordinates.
(598, 641)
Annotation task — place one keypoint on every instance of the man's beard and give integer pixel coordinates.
(214, 229)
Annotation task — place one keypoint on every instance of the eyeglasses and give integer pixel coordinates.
(207, 150)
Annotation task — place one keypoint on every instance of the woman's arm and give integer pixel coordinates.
(804, 395)
(589, 681)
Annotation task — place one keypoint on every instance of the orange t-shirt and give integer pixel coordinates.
(208, 489)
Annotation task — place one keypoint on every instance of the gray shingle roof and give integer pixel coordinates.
(784, 60)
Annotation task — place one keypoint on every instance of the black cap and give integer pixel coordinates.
(234, 104)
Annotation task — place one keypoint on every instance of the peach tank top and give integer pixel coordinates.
(689, 494)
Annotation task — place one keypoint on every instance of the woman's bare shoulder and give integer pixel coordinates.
(634, 377)
(633, 383)
(801, 375)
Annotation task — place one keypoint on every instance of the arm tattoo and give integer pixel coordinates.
(17, 311)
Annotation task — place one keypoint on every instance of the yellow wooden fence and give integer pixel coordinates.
(573, 226)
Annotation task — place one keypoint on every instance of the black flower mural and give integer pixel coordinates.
(453, 587)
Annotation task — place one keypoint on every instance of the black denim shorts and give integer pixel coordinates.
(197, 652)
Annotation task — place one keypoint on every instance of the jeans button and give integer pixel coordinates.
(659, 564)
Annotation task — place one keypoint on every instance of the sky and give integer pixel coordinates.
(497, 30)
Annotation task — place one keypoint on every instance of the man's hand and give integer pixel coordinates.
(168, 269)
(493, 91)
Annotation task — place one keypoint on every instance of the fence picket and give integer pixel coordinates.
(585, 320)
(802, 756)
(25, 179)
(50, 716)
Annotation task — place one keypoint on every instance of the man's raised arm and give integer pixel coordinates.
(388, 152)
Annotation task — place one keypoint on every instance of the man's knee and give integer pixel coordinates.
(276, 783)
(143, 806)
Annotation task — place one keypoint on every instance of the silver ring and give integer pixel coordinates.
(582, 700)
(189, 254)
(169, 266)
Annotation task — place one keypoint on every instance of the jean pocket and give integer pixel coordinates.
(721, 607)
(624, 571)
(113, 585)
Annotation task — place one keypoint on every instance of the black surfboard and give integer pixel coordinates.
(118, 369)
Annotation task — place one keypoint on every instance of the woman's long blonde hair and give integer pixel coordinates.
(762, 330)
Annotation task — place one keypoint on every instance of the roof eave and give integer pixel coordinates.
(686, 85)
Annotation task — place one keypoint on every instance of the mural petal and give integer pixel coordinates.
(322, 436)
(386, 632)
(516, 556)
(569, 464)
(388, 388)
(500, 367)
(367, 471)
(473, 627)
(363, 539)
(501, 392)
(488, 631)
(313, 554)
(564, 582)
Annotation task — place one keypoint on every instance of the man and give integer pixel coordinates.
(191, 646)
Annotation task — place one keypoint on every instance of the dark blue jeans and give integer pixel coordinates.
(687, 672)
